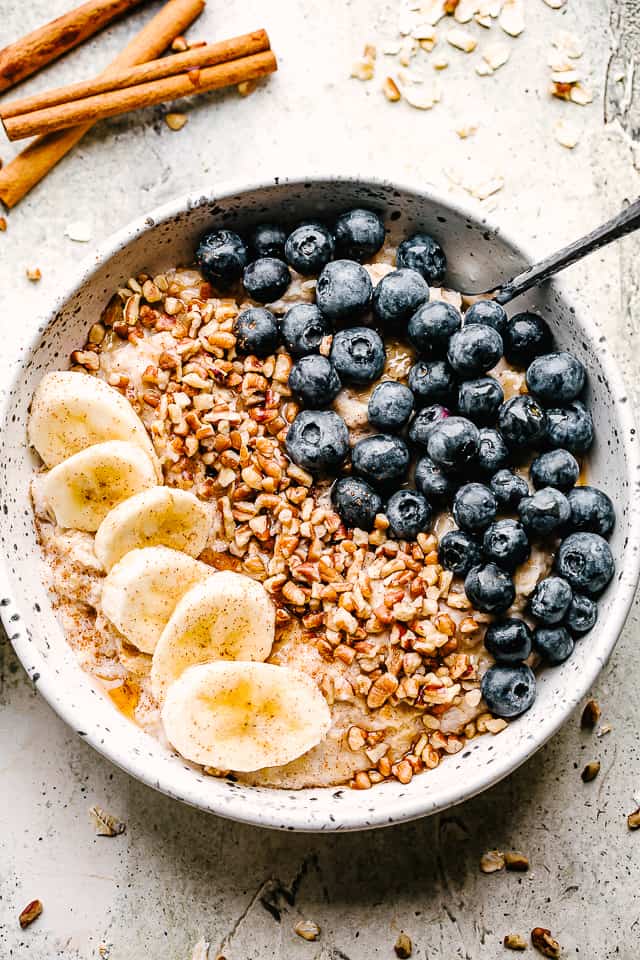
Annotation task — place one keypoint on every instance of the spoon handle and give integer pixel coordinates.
(619, 226)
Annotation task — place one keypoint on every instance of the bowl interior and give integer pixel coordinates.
(476, 254)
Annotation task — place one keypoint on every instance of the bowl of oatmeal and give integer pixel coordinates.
(294, 533)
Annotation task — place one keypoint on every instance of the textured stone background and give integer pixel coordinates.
(177, 874)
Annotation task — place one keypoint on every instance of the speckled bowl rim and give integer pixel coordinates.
(380, 810)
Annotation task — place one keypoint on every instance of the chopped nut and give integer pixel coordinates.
(492, 861)
(363, 69)
(462, 39)
(30, 913)
(513, 941)
(179, 45)
(403, 946)
(633, 820)
(544, 942)
(590, 715)
(33, 274)
(106, 824)
(513, 860)
(390, 89)
(356, 739)
(591, 771)
(80, 231)
(3, 224)
(496, 725)
(247, 87)
(307, 929)
(175, 121)
(566, 133)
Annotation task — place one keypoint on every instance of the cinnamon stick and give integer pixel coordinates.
(205, 56)
(116, 102)
(19, 176)
(47, 43)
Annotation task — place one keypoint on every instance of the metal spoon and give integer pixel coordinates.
(625, 222)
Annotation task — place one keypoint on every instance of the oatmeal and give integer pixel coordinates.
(224, 588)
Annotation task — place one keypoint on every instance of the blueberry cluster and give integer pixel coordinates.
(450, 422)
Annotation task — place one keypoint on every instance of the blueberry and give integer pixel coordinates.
(474, 350)
(314, 381)
(493, 453)
(318, 440)
(509, 689)
(266, 279)
(555, 644)
(303, 329)
(453, 443)
(526, 336)
(555, 468)
(509, 640)
(480, 400)
(474, 507)
(308, 248)
(581, 615)
(591, 510)
(358, 355)
(256, 331)
(382, 460)
(458, 552)
(397, 296)
(422, 253)
(409, 514)
(390, 406)
(489, 313)
(556, 378)
(545, 513)
(343, 290)
(359, 234)
(268, 240)
(550, 600)
(585, 560)
(433, 481)
(570, 427)
(508, 489)
(424, 421)
(222, 256)
(431, 326)
(432, 381)
(489, 588)
(356, 502)
(505, 542)
(522, 422)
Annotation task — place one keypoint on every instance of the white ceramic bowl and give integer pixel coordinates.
(477, 255)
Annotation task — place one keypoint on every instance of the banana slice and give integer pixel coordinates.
(244, 716)
(142, 590)
(160, 516)
(71, 411)
(227, 617)
(82, 490)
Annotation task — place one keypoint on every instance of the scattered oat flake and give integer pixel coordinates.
(440, 63)
(407, 51)
(544, 942)
(30, 913)
(424, 31)
(511, 17)
(201, 950)
(391, 49)
(570, 75)
(422, 98)
(106, 824)
(462, 40)
(80, 230)
(307, 929)
(390, 89)
(363, 69)
(568, 43)
(490, 8)
(492, 861)
(555, 4)
(633, 820)
(483, 21)
(433, 11)
(175, 121)
(465, 11)
(567, 133)
(513, 941)
(370, 52)
(34, 274)
(403, 946)
(496, 54)
(483, 69)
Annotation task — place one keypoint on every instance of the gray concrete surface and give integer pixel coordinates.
(178, 875)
